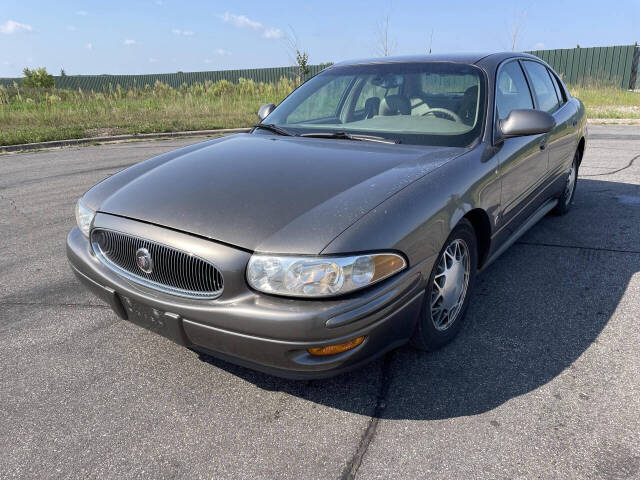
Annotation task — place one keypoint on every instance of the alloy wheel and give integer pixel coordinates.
(571, 184)
(450, 284)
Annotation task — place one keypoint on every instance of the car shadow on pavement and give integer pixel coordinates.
(533, 313)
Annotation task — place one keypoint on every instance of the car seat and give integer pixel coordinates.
(395, 105)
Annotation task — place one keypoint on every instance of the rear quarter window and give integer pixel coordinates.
(562, 97)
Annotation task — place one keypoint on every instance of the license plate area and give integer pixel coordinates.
(167, 324)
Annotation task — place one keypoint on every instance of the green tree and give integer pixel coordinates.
(302, 59)
(37, 78)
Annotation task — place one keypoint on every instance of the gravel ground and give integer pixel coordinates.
(543, 382)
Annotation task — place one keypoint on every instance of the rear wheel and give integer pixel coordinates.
(448, 290)
(564, 202)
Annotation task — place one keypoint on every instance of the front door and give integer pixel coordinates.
(523, 160)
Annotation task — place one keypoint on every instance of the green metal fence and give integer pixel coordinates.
(102, 82)
(617, 65)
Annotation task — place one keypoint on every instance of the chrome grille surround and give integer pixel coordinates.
(175, 272)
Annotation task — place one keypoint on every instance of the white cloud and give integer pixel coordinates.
(538, 46)
(10, 26)
(89, 46)
(273, 33)
(222, 51)
(71, 28)
(159, 2)
(82, 13)
(240, 21)
(186, 33)
(153, 60)
(129, 42)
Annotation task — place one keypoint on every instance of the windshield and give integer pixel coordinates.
(416, 103)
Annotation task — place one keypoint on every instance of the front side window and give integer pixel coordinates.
(424, 103)
(512, 91)
(542, 85)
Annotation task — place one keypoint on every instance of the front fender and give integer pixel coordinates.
(417, 220)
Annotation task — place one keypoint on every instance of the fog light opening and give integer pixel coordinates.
(338, 348)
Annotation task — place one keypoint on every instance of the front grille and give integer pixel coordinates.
(174, 271)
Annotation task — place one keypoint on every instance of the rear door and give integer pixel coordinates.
(564, 140)
(523, 160)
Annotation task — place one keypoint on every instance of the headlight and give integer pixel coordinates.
(84, 217)
(319, 276)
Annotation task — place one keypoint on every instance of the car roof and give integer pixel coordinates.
(468, 58)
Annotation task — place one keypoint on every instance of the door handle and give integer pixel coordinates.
(543, 146)
(575, 122)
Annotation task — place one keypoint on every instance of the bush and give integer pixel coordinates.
(37, 78)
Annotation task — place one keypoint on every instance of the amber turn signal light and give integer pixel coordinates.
(339, 348)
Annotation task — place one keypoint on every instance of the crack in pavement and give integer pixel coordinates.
(577, 247)
(351, 470)
(614, 171)
(352, 467)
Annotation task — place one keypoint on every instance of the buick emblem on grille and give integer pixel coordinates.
(144, 260)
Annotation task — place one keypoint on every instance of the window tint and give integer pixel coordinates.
(543, 88)
(512, 92)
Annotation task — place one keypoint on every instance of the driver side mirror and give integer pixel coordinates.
(265, 110)
(520, 123)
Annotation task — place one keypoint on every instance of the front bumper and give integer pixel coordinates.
(262, 332)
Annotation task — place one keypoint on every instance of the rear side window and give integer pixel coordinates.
(543, 88)
(512, 92)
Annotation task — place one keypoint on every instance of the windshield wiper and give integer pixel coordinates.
(349, 136)
(274, 128)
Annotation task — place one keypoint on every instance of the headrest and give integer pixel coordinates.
(471, 91)
(371, 107)
(395, 105)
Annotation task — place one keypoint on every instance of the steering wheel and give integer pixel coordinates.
(452, 115)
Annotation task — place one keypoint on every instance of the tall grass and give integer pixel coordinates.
(41, 115)
(34, 115)
(607, 101)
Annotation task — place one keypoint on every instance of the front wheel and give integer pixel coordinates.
(448, 290)
(564, 202)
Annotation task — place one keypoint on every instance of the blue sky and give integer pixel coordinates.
(147, 36)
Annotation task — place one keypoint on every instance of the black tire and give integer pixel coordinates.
(426, 336)
(565, 200)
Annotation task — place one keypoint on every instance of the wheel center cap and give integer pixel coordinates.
(453, 285)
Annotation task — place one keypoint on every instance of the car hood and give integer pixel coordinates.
(264, 192)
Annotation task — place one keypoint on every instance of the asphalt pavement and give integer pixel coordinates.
(543, 381)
